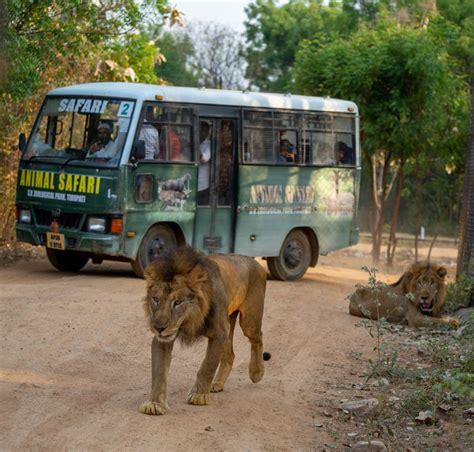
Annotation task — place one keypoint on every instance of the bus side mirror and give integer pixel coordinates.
(138, 151)
(22, 141)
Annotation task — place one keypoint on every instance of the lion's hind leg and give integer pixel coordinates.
(227, 360)
(252, 329)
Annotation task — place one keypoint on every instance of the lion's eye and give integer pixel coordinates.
(177, 303)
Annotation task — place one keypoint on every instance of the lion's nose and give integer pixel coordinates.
(424, 297)
(160, 328)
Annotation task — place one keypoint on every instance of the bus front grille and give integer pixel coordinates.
(65, 220)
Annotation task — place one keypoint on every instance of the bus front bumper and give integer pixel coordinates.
(104, 244)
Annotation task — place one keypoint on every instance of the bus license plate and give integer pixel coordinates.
(55, 240)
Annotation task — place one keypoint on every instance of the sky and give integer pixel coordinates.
(228, 12)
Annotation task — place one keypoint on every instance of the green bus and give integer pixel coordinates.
(123, 171)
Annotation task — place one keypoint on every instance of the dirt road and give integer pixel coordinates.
(75, 364)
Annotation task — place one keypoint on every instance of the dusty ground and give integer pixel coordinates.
(75, 364)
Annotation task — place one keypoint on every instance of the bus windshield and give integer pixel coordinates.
(90, 131)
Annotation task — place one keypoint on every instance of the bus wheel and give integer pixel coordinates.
(66, 261)
(159, 239)
(294, 258)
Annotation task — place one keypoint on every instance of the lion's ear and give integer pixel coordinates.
(442, 272)
(198, 275)
(150, 275)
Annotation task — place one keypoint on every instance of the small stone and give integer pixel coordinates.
(209, 429)
(469, 411)
(425, 417)
(361, 408)
(327, 414)
(352, 434)
(383, 382)
(369, 446)
(445, 407)
(410, 429)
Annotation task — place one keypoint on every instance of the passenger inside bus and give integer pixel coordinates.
(225, 162)
(345, 154)
(325, 154)
(149, 134)
(104, 147)
(170, 140)
(204, 166)
(287, 152)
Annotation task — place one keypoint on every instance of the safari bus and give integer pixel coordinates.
(123, 171)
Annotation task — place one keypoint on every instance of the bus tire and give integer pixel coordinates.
(66, 260)
(158, 240)
(294, 258)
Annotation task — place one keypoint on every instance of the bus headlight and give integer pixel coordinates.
(24, 216)
(96, 224)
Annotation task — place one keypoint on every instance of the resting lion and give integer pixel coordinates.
(416, 299)
(190, 295)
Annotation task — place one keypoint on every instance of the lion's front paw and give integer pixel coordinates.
(453, 322)
(153, 408)
(198, 399)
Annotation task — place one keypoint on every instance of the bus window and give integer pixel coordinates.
(169, 133)
(144, 188)
(259, 137)
(344, 127)
(67, 130)
(318, 140)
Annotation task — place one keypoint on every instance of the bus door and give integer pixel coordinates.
(215, 196)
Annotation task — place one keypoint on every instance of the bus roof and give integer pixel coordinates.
(143, 92)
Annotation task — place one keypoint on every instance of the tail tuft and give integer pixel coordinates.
(267, 356)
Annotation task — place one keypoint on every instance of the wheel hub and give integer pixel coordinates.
(293, 253)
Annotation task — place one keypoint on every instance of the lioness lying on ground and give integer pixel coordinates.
(417, 298)
(190, 295)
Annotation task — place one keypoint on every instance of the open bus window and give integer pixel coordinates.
(344, 127)
(68, 128)
(167, 132)
(318, 140)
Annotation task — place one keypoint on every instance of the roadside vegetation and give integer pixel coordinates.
(423, 380)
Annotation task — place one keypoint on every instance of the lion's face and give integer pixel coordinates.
(427, 288)
(177, 299)
(170, 306)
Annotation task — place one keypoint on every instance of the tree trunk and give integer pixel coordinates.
(392, 240)
(465, 262)
(419, 205)
(380, 192)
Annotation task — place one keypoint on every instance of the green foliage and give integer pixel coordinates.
(177, 48)
(45, 44)
(274, 33)
(458, 293)
(398, 76)
(449, 379)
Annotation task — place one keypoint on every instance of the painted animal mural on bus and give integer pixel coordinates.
(173, 193)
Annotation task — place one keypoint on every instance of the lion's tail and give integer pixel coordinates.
(267, 356)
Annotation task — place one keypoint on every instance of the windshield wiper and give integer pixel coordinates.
(70, 160)
(42, 157)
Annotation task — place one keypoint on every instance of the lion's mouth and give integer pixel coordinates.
(165, 336)
(426, 306)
